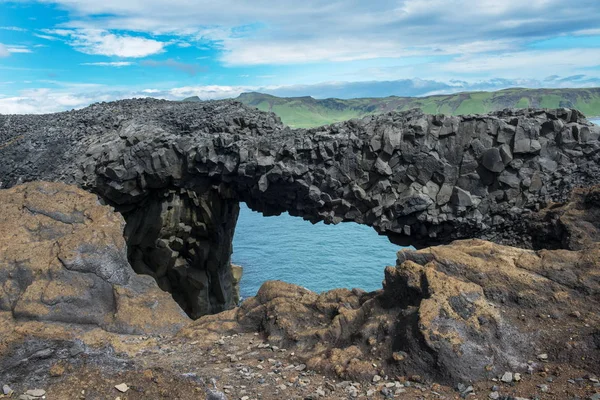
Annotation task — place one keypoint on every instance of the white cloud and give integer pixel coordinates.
(513, 64)
(247, 52)
(4, 51)
(47, 37)
(12, 28)
(59, 32)
(18, 49)
(102, 42)
(588, 32)
(288, 32)
(210, 92)
(45, 100)
(109, 64)
(67, 95)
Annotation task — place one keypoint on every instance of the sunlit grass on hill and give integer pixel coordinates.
(306, 112)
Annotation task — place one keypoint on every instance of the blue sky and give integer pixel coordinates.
(63, 54)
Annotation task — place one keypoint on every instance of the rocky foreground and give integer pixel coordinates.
(471, 319)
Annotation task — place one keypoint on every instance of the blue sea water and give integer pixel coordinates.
(595, 121)
(319, 257)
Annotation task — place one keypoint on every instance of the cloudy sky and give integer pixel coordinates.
(63, 54)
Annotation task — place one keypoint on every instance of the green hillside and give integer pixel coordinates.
(308, 112)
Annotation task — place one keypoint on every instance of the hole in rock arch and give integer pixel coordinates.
(183, 239)
(319, 257)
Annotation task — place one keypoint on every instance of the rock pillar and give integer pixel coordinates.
(184, 240)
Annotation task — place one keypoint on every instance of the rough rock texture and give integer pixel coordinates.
(420, 179)
(465, 311)
(432, 178)
(574, 225)
(184, 240)
(459, 313)
(63, 259)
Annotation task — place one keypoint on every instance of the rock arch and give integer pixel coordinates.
(177, 172)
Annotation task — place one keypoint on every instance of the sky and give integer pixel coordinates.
(61, 54)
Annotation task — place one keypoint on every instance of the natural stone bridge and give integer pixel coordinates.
(177, 172)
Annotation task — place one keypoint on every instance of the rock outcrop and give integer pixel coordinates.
(184, 240)
(419, 179)
(453, 313)
(458, 313)
(63, 260)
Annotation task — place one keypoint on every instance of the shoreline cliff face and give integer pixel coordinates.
(177, 171)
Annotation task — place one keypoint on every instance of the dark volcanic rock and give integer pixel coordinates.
(573, 225)
(492, 160)
(358, 170)
(420, 179)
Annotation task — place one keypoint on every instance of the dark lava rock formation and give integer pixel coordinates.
(177, 171)
(462, 311)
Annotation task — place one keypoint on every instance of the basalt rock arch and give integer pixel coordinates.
(177, 172)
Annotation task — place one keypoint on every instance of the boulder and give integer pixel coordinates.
(493, 160)
(63, 259)
(461, 198)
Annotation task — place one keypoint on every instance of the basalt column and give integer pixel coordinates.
(184, 240)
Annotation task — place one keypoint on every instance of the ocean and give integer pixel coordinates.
(319, 257)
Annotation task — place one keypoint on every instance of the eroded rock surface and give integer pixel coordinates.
(464, 311)
(63, 260)
(419, 179)
(458, 313)
(184, 240)
(573, 225)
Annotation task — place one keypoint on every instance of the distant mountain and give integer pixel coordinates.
(193, 98)
(307, 112)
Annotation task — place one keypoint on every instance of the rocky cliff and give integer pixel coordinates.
(176, 171)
